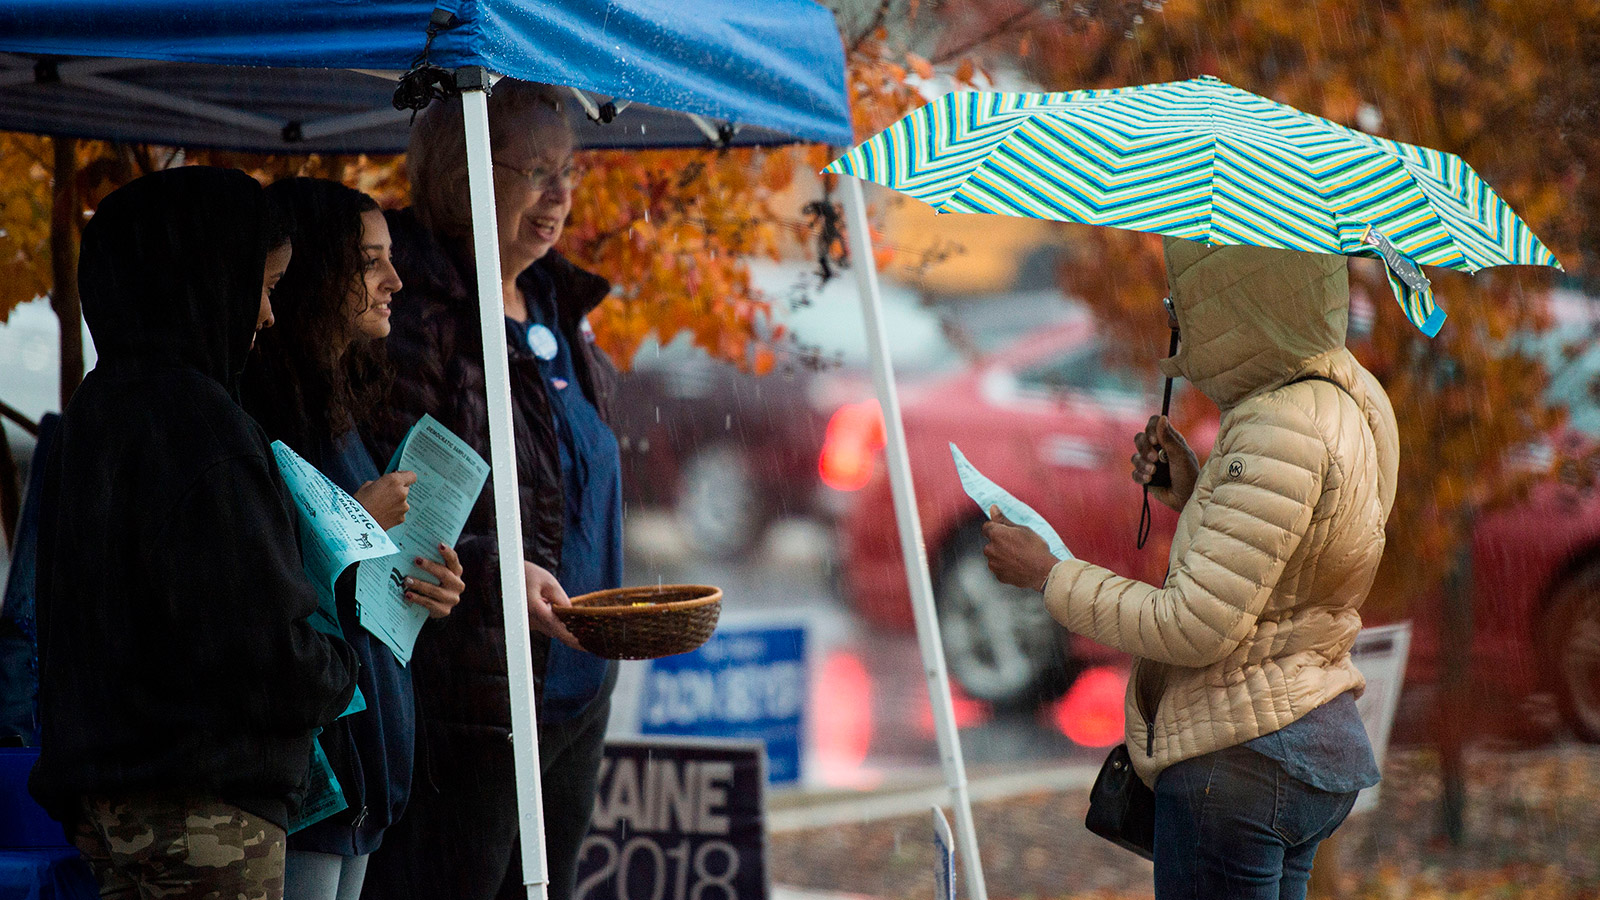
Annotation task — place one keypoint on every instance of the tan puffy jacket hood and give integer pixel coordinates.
(1277, 547)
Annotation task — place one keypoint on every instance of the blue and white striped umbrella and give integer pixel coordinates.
(1206, 161)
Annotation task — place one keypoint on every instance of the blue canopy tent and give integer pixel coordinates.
(298, 76)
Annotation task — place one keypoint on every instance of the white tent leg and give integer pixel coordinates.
(508, 521)
(911, 543)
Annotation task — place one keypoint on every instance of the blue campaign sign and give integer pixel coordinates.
(745, 682)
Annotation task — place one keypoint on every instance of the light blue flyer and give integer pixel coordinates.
(986, 493)
(450, 476)
(324, 797)
(335, 532)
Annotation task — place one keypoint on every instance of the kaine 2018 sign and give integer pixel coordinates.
(677, 820)
(746, 682)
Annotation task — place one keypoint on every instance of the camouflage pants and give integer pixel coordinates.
(160, 847)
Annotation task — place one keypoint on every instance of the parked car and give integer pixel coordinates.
(729, 452)
(30, 382)
(1535, 568)
(1052, 417)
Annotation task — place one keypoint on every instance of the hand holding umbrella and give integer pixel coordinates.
(1161, 442)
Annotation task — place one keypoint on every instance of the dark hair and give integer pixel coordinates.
(277, 227)
(310, 379)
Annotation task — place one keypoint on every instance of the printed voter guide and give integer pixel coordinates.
(335, 531)
(986, 493)
(324, 797)
(450, 476)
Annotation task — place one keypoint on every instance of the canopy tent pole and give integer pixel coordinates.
(474, 82)
(911, 542)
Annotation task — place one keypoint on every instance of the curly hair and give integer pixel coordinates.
(311, 377)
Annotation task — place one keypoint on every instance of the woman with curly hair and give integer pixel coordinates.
(315, 384)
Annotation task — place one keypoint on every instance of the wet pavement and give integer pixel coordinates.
(1531, 822)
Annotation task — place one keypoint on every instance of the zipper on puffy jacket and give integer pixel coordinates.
(1145, 685)
(361, 818)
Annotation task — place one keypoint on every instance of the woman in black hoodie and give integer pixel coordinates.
(180, 680)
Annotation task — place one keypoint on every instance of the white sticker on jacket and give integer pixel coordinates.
(542, 341)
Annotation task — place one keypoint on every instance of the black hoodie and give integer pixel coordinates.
(175, 654)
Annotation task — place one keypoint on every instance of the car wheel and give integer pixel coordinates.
(1572, 642)
(720, 503)
(999, 641)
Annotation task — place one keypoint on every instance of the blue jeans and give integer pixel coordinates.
(1233, 825)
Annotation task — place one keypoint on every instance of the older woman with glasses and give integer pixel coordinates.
(459, 837)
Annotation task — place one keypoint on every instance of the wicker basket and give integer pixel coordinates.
(643, 622)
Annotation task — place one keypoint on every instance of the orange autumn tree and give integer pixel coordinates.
(1503, 83)
(25, 167)
(674, 229)
(37, 212)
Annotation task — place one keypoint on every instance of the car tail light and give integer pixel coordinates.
(844, 735)
(850, 449)
(1091, 714)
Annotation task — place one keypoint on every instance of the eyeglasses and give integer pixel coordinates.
(541, 178)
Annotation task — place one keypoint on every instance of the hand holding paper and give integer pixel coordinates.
(449, 478)
(385, 497)
(440, 596)
(1022, 546)
(1017, 555)
(986, 493)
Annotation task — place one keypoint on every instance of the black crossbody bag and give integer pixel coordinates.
(1121, 808)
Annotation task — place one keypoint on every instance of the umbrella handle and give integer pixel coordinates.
(1162, 478)
(1163, 474)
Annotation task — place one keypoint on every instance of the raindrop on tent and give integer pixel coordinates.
(1369, 118)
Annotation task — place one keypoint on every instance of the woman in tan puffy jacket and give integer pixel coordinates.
(1241, 709)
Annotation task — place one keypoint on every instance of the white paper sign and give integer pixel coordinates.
(1380, 654)
(945, 850)
(450, 476)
